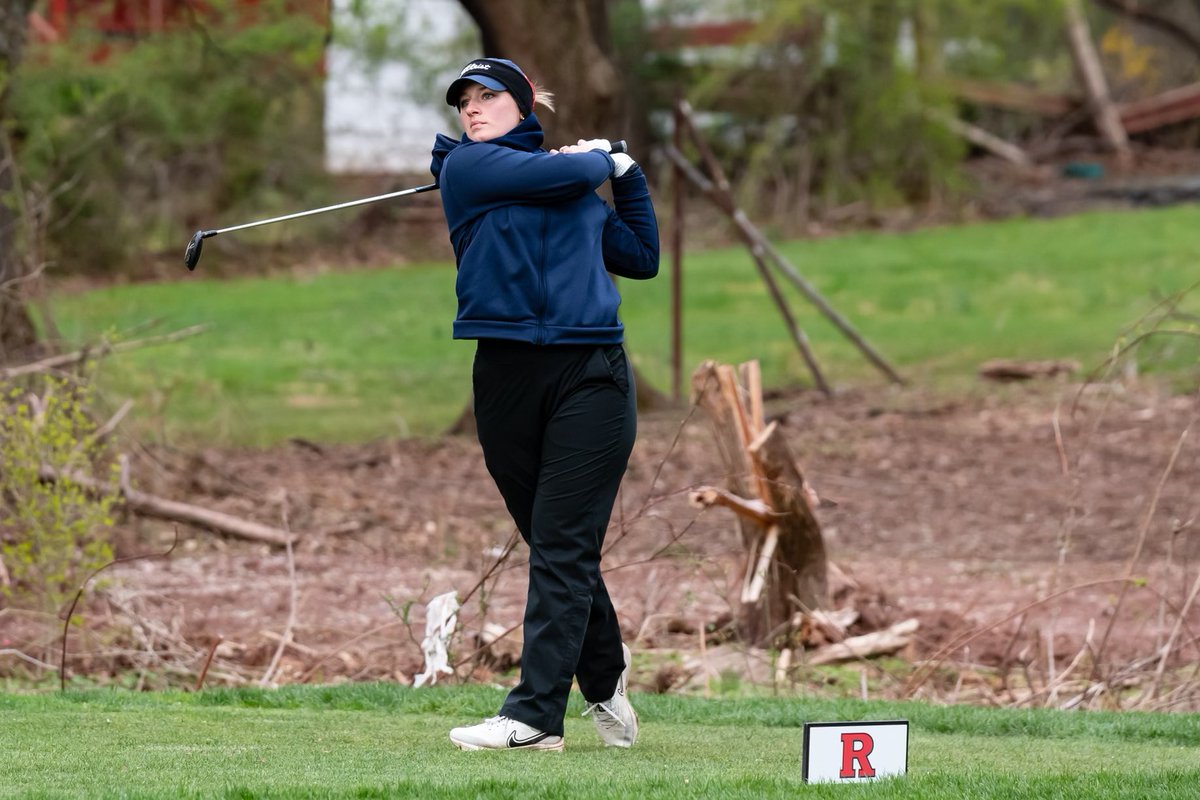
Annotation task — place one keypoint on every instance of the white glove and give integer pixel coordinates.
(621, 164)
(594, 144)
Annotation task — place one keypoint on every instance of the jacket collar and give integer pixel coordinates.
(527, 137)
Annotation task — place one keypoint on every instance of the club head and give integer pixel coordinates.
(192, 256)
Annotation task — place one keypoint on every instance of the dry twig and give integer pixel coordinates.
(62, 673)
(1143, 530)
(101, 350)
(286, 638)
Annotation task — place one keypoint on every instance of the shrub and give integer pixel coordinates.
(53, 531)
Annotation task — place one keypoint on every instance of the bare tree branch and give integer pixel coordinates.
(103, 349)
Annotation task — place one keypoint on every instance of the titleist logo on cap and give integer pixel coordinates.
(476, 65)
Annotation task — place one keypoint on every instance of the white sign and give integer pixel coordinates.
(854, 751)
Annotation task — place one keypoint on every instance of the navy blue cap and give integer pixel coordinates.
(497, 74)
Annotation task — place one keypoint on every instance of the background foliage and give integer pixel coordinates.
(825, 103)
(122, 147)
(53, 533)
(123, 150)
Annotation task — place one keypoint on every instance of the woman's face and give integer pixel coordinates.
(486, 113)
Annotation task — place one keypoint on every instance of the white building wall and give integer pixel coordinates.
(381, 119)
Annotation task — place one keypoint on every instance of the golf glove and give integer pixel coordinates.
(595, 144)
(621, 164)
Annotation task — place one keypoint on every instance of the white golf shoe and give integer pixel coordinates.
(615, 719)
(503, 733)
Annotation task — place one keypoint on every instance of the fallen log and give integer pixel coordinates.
(1136, 116)
(978, 136)
(149, 505)
(1175, 105)
(879, 643)
(1008, 369)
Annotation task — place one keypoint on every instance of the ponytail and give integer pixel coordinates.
(542, 97)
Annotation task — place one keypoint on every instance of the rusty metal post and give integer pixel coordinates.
(678, 182)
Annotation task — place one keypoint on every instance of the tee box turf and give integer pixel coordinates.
(848, 752)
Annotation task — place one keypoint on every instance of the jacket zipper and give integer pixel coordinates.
(540, 336)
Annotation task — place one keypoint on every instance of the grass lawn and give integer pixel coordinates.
(389, 741)
(365, 354)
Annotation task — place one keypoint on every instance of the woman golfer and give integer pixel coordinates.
(554, 393)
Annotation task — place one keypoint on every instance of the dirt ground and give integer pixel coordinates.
(1011, 512)
(1023, 525)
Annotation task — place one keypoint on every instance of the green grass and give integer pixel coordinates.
(364, 354)
(388, 741)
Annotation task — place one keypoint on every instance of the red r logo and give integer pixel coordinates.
(856, 747)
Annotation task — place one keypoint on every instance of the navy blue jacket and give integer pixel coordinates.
(534, 242)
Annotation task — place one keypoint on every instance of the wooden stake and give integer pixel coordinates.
(207, 662)
(677, 222)
(755, 239)
(1091, 74)
(721, 195)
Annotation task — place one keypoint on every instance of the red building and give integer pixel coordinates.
(130, 19)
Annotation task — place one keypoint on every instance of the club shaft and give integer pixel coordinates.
(617, 147)
(427, 188)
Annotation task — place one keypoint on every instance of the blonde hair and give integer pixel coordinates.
(541, 96)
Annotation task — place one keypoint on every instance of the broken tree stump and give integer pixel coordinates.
(785, 569)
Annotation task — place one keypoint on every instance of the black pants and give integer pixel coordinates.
(557, 424)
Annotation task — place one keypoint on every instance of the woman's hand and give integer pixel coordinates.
(584, 145)
(621, 161)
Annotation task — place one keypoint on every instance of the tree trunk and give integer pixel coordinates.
(18, 338)
(565, 47)
(930, 53)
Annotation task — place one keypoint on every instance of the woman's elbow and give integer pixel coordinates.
(652, 268)
(647, 268)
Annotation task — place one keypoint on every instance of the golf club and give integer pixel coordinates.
(191, 256)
